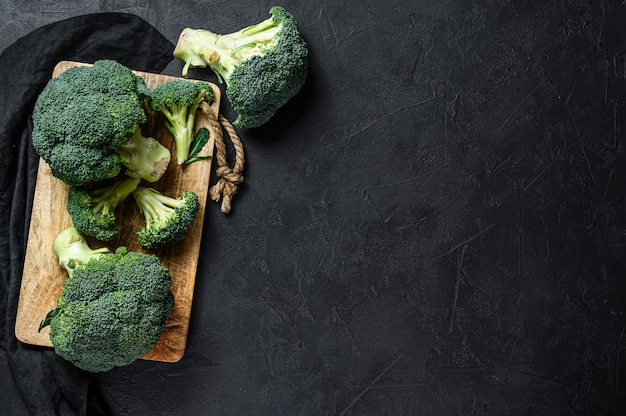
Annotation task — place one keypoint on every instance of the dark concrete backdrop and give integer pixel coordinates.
(434, 226)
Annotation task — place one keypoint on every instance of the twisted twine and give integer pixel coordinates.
(229, 178)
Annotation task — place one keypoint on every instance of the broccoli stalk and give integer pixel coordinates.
(167, 219)
(144, 157)
(71, 249)
(227, 51)
(93, 210)
(113, 305)
(263, 65)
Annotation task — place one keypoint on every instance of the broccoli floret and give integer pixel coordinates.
(263, 65)
(93, 210)
(167, 219)
(178, 100)
(113, 306)
(84, 115)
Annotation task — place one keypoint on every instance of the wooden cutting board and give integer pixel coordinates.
(42, 277)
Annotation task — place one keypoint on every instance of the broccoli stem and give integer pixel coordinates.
(236, 47)
(254, 29)
(154, 205)
(180, 124)
(263, 32)
(105, 200)
(222, 53)
(144, 157)
(70, 248)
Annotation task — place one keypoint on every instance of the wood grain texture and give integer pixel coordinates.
(43, 279)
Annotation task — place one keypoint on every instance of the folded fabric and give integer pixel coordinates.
(47, 384)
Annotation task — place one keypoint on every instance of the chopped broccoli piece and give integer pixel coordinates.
(178, 100)
(113, 307)
(263, 65)
(82, 116)
(167, 219)
(93, 211)
(71, 249)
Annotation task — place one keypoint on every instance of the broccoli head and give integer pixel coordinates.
(178, 101)
(93, 210)
(167, 219)
(84, 115)
(263, 65)
(113, 306)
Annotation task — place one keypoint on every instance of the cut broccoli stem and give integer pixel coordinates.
(106, 199)
(144, 157)
(261, 27)
(227, 51)
(71, 248)
(155, 206)
(260, 34)
(168, 219)
(180, 121)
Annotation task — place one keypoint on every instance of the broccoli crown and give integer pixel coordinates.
(82, 115)
(178, 92)
(263, 65)
(113, 306)
(178, 100)
(93, 210)
(167, 219)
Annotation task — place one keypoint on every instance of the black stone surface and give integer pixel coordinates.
(433, 226)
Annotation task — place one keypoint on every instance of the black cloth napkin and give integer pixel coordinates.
(48, 385)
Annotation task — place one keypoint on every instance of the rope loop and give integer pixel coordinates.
(229, 178)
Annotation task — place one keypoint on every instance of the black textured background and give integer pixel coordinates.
(434, 226)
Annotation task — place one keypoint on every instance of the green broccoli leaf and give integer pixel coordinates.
(200, 139)
(46, 321)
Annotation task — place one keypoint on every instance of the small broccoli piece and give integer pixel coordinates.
(82, 116)
(178, 100)
(93, 211)
(113, 306)
(167, 219)
(71, 249)
(263, 65)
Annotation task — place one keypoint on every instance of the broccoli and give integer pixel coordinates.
(82, 117)
(144, 157)
(113, 305)
(263, 65)
(178, 100)
(93, 210)
(167, 219)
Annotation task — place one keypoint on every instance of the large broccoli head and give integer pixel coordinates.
(263, 65)
(113, 307)
(83, 115)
